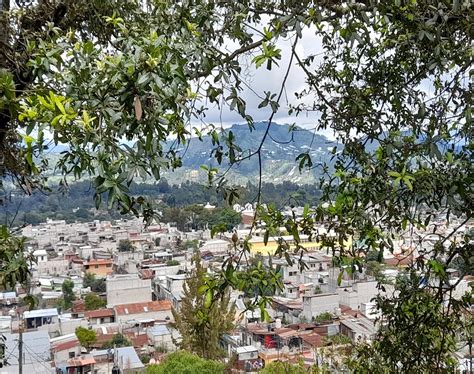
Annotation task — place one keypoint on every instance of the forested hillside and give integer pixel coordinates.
(75, 203)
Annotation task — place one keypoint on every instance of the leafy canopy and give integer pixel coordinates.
(86, 337)
(113, 81)
(183, 362)
(93, 302)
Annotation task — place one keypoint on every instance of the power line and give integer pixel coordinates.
(11, 353)
(38, 359)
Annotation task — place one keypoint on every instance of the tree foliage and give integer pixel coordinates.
(200, 321)
(68, 293)
(183, 362)
(125, 245)
(97, 285)
(118, 340)
(93, 302)
(323, 317)
(86, 337)
(14, 263)
(198, 218)
(113, 81)
(280, 367)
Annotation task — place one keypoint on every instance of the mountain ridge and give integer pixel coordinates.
(279, 152)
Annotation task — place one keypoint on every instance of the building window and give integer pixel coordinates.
(96, 266)
(72, 354)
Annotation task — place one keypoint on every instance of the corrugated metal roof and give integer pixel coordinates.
(128, 358)
(7, 295)
(36, 347)
(40, 313)
(159, 330)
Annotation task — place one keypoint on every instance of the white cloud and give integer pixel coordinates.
(260, 80)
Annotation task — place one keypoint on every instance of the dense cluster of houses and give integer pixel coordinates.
(316, 309)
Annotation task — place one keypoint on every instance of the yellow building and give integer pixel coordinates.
(257, 246)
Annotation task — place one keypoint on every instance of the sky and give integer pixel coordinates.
(261, 79)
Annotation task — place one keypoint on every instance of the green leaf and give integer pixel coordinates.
(208, 300)
(408, 183)
(59, 105)
(394, 174)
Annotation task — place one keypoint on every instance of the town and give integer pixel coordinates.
(105, 292)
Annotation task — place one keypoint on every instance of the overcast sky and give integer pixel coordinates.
(261, 80)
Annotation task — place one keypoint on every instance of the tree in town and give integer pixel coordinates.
(323, 317)
(200, 321)
(391, 82)
(93, 301)
(86, 337)
(88, 280)
(182, 362)
(281, 367)
(97, 285)
(68, 293)
(125, 245)
(118, 340)
(172, 262)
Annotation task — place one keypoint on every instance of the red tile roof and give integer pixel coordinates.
(314, 340)
(101, 339)
(146, 307)
(138, 341)
(58, 347)
(247, 219)
(147, 274)
(348, 311)
(78, 306)
(80, 361)
(99, 313)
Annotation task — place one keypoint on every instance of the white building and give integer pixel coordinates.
(160, 336)
(127, 288)
(314, 305)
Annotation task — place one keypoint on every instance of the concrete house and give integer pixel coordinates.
(65, 347)
(100, 268)
(42, 317)
(314, 305)
(100, 316)
(127, 288)
(160, 336)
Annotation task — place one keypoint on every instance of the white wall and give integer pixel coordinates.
(127, 289)
(315, 305)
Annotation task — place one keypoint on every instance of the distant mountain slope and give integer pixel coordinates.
(280, 150)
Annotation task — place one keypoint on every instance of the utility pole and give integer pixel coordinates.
(20, 347)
